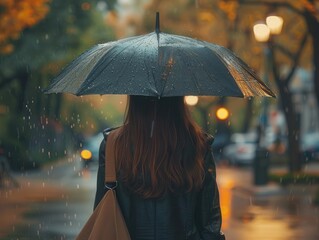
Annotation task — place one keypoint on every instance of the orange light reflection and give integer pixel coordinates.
(225, 188)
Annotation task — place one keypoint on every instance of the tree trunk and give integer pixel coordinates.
(293, 125)
(313, 27)
(292, 119)
(288, 107)
(248, 115)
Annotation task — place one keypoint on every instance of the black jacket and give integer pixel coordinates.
(194, 215)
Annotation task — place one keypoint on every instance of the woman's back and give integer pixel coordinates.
(178, 215)
(167, 187)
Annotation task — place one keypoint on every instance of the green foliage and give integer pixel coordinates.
(28, 142)
(32, 130)
(278, 159)
(299, 178)
(53, 39)
(295, 178)
(17, 154)
(13, 144)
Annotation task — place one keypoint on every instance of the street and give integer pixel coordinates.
(55, 202)
(52, 204)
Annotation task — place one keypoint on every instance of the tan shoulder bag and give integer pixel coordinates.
(107, 222)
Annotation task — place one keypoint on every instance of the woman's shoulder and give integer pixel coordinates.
(106, 132)
(209, 138)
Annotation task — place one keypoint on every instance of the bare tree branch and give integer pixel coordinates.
(268, 3)
(295, 57)
(284, 50)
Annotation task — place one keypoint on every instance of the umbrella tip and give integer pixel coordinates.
(157, 23)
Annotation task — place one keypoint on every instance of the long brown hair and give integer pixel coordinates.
(159, 148)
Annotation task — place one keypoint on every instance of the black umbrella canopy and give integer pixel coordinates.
(160, 65)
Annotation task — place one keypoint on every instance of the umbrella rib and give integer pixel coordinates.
(130, 60)
(121, 52)
(84, 86)
(222, 60)
(194, 57)
(246, 69)
(232, 73)
(138, 43)
(146, 67)
(75, 62)
(148, 74)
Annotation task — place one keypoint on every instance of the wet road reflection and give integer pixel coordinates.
(51, 204)
(268, 212)
(55, 204)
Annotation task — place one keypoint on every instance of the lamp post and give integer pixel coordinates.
(263, 32)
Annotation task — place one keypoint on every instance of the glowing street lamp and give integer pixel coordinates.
(274, 24)
(261, 32)
(191, 100)
(222, 113)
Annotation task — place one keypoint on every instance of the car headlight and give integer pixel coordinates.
(86, 154)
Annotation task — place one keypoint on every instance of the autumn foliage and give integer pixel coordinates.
(17, 15)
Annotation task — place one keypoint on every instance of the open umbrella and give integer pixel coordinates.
(161, 65)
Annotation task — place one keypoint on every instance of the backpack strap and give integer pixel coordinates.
(110, 172)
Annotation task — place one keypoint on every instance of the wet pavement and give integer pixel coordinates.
(50, 204)
(54, 204)
(268, 212)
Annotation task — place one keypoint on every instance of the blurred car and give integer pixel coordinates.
(220, 141)
(310, 146)
(90, 148)
(241, 149)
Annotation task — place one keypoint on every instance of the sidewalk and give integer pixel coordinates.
(52, 203)
(55, 203)
(269, 212)
(272, 188)
(16, 202)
